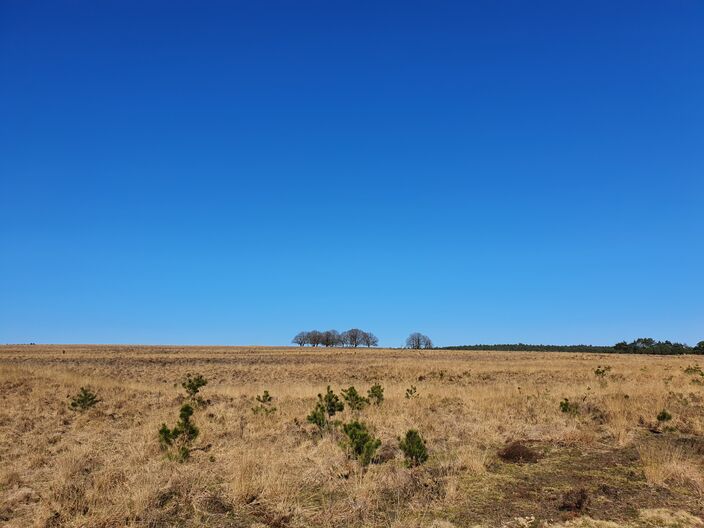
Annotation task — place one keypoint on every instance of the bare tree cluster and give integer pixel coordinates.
(418, 340)
(353, 337)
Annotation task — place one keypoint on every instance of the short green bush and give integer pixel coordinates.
(601, 372)
(85, 399)
(326, 407)
(354, 399)
(266, 404)
(318, 416)
(413, 448)
(568, 407)
(179, 439)
(694, 370)
(411, 392)
(376, 394)
(664, 416)
(361, 443)
(193, 384)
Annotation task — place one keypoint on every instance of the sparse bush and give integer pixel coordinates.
(411, 392)
(413, 447)
(179, 439)
(664, 416)
(266, 404)
(332, 402)
(85, 399)
(193, 384)
(601, 372)
(568, 407)
(694, 370)
(376, 394)
(326, 407)
(361, 443)
(318, 416)
(354, 399)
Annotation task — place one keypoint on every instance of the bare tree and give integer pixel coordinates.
(300, 339)
(331, 338)
(417, 340)
(315, 338)
(353, 337)
(369, 339)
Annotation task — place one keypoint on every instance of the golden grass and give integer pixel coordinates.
(104, 467)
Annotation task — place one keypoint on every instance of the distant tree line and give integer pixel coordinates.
(353, 337)
(643, 345)
(522, 347)
(647, 345)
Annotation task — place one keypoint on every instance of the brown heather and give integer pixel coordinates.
(611, 465)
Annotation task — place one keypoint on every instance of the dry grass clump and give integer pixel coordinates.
(103, 466)
(664, 464)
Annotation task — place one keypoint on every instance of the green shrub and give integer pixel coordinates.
(326, 407)
(361, 442)
(193, 384)
(694, 370)
(354, 399)
(376, 394)
(179, 439)
(413, 447)
(411, 392)
(664, 416)
(568, 407)
(85, 399)
(318, 416)
(601, 372)
(266, 404)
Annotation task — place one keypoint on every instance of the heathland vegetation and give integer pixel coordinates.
(290, 437)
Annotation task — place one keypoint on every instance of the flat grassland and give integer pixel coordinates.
(608, 462)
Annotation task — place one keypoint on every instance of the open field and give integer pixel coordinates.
(610, 463)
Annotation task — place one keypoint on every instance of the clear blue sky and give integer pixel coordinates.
(234, 172)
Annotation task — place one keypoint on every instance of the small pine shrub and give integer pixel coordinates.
(354, 399)
(376, 394)
(601, 372)
(179, 439)
(193, 384)
(332, 402)
(413, 448)
(85, 399)
(266, 404)
(568, 407)
(411, 392)
(664, 416)
(361, 443)
(318, 416)
(326, 407)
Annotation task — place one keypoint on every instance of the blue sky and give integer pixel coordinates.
(232, 173)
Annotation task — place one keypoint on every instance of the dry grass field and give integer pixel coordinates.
(609, 464)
